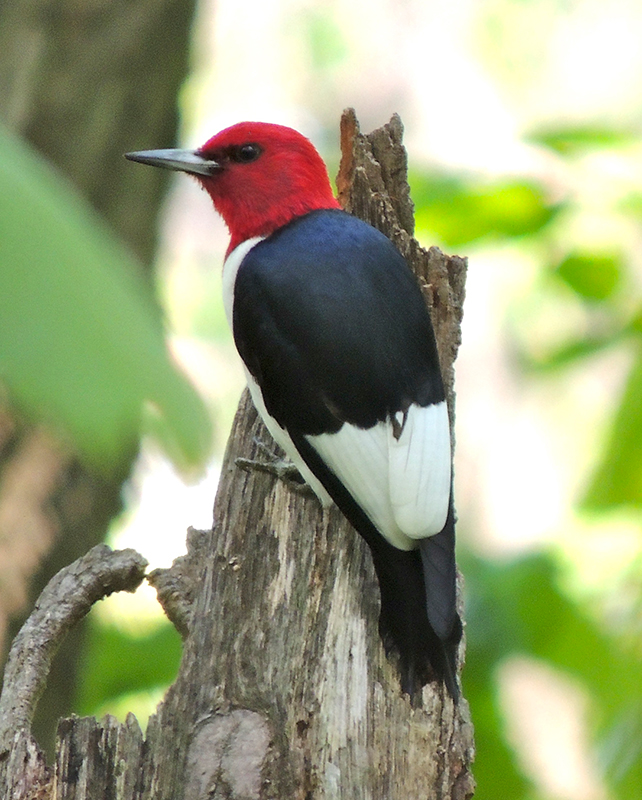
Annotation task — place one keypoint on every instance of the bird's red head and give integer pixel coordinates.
(268, 174)
(259, 176)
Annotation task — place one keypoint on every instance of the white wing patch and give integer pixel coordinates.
(359, 458)
(402, 484)
(419, 471)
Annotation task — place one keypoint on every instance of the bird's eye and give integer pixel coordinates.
(246, 153)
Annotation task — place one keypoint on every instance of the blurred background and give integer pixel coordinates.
(119, 379)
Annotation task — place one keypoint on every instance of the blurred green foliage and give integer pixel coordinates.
(590, 275)
(519, 608)
(83, 346)
(122, 663)
(459, 210)
(618, 478)
(523, 607)
(569, 141)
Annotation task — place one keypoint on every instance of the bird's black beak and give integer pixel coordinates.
(179, 160)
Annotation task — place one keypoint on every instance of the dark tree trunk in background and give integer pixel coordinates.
(284, 691)
(83, 82)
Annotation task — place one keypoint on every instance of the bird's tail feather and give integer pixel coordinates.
(406, 628)
(440, 580)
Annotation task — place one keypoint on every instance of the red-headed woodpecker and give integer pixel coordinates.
(342, 365)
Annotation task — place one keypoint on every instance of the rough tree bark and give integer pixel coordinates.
(284, 690)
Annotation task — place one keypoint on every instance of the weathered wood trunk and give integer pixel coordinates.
(284, 690)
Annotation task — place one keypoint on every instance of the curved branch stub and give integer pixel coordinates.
(65, 600)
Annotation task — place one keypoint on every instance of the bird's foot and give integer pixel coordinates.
(280, 468)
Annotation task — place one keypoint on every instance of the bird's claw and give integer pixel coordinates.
(281, 469)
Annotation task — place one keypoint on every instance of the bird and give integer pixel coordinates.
(341, 361)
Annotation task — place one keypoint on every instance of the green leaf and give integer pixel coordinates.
(83, 346)
(459, 212)
(571, 140)
(617, 480)
(592, 276)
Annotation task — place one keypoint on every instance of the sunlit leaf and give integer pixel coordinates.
(82, 344)
(459, 212)
(591, 275)
(569, 140)
(617, 480)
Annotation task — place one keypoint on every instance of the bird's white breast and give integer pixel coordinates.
(230, 271)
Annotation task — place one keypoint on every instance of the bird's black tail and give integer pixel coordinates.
(440, 582)
(417, 619)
